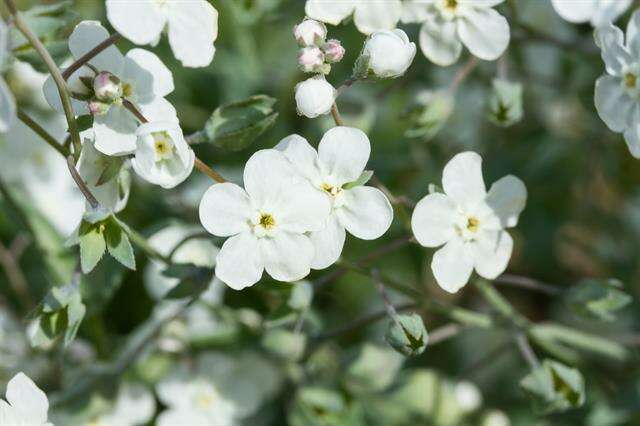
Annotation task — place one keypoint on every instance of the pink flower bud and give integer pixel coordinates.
(310, 33)
(311, 59)
(333, 51)
(107, 87)
(98, 108)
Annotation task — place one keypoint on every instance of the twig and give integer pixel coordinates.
(40, 131)
(462, 74)
(527, 352)
(90, 55)
(80, 183)
(528, 283)
(15, 276)
(336, 115)
(443, 333)
(377, 281)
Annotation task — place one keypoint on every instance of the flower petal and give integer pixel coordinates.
(268, 176)
(608, 11)
(575, 11)
(147, 74)
(27, 399)
(433, 219)
(492, 253)
(614, 54)
(137, 20)
(462, 179)
(328, 243)
(287, 256)
(633, 34)
(343, 153)
(329, 11)
(240, 263)
(115, 132)
(613, 105)
(302, 155)
(414, 11)
(7, 107)
(375, 16)
(51, 94)
(193, 27)
(302, 208)
(452, 265)
(225, 210)
(485, 33)
(366, 213)
(86, 36)
(439, 41)
(507, 198)
(632, 138)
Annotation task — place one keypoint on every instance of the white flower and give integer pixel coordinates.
(617, 93)
(192, 26)
(469, 221)
(597, 12)
(267, 222)
(7, 101)
(368, 15)
(145, 82)
(310, 33)
(389, 52)
(468, 396)
(26, 404)
(340, 160)
(314, 97)
(135, 405)
(163, 157)
(448, 24)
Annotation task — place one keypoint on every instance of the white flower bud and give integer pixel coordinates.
(107, 87)
(311, 59)
(98, 108)
(389, 53)
(310, 33)
(314, 97)
(333, 51)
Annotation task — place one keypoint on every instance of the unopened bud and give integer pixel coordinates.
(407, 335)
(107, 87)
(98, 108)
(310, 33)
(311, 59)
(389, 53)
(333, 51)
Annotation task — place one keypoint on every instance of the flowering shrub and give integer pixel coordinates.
(277, 212)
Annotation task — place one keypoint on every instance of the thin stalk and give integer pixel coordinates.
(90, 55)
(462, 74)
(40, 131)
(142, 243)
(80, 183)
(500, 304)
(528, 283)
(526, 351)
(335, 113)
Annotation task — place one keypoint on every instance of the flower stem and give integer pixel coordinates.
(80, 183)
(40, 131)
(462, 74)
(500, 304)
(142, 243)
(527, 352)
(335, 113)
(90, 55)
(65, 99)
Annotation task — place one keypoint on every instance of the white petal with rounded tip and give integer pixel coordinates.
(7, 107)
(328, 243)
(159, 109)
(268, 176)
(415, 11)
(302, 155)
(485, 33)
(614, 54)
(86, 36)
(433, 219)
(492, 253)
(343, 153)
(51, 94)
(613, 105)
(193, 27)
(115, 132)
(225, 210)
(27, 399)
(140, 21)
(452, 265)
(439, 41)
(374, 16)
(301, 207)
(462, 179)
(632, 139)
(287, 256)
(366, 213)
(148, 75)
(575, 11)
(239, 263)
(507, 198)
(329, 11)
(609, 11)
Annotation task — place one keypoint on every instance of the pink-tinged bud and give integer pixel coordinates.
(310, 33)
(107, 87)
(333, 51)
(311, 59)
(98, 108)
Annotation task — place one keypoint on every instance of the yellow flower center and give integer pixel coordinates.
(267, 221)
(451, 4)
(204, 400)
(331, 189)
(163, 145)
(630, 80)
(127, 90)
(473, 224)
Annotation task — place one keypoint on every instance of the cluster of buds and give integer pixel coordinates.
(316, 53)
(106, 90)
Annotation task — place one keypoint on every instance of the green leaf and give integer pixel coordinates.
(111, 169)
(60, 314)
(554, 387)
(597, 299)
(236, 125)
(92, 245)
(118, 244)
(285, 344)
(98, 287)
(428, 114)
(363, 179)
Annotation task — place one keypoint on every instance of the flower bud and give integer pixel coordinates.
(407, 335)
(333, 51)
(107, 87)
(311, 59)
(310, 33)
(314, 97)
(98, 108)
(505, 103)
(388, 53)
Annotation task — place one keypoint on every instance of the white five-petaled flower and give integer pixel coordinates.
(617, 93)
(368, 15)
(267, 221)
(7, 101)
(389, 52)
(145, 82)
(192, 26)
(340, 160)
(448, 24)
(163, 157)
(314, 97)
(469, 221)
(597, 12)
(26, 404)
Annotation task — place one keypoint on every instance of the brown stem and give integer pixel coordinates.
(209, 171)
(40, 131)
(462, 74)
(80, 183)
(336, 115)
(528, 283)
(90, 55)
